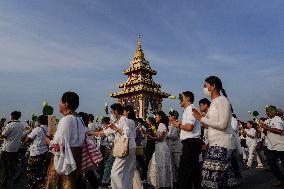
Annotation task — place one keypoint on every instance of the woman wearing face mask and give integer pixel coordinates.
(217, 171)
(123, 168)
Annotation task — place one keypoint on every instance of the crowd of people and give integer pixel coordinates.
(199, 149)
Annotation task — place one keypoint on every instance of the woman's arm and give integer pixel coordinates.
(223, 111)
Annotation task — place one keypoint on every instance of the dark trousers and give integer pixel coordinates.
(189, 167)
(8, 163)
(235, 166)
(272, 160)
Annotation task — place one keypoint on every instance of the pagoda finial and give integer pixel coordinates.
(139, 52)
(139, 41)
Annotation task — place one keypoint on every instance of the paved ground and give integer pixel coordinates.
(252, 179)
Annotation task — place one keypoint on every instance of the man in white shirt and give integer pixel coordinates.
(190, 167)
(275, 142)
(12, 134)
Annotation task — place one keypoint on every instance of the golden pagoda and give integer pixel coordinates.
(140, 90)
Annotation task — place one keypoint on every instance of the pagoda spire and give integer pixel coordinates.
(139, 52)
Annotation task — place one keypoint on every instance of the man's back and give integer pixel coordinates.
(13, 133)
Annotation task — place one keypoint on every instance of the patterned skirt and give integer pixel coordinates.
(56, 181)
(217, 170)
(35, 171)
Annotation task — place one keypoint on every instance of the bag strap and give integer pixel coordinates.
(43, 130)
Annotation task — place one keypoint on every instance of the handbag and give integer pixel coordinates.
(91, 155)
(120, 148)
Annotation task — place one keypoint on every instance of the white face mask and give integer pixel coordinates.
(206, 92)
(112, 118)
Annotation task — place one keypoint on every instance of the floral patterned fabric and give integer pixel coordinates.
(217, 170)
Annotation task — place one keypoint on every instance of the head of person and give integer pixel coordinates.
(16, 115)
(69, 102)
(42, 119)
(271, 111)
(161, 117)
(204, 105)
(140, 121)
(129, 112)
(173, 115)
(186, 99)
(213, 85)
(105, 121)
(91, 118)
(117, 110)
(85, 117)
(151, 121)
(250, 124)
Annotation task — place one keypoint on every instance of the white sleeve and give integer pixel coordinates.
(279, 125)
(7, 130)
(108, 131)
(223, 110)
(125, 126)
(34, 133)
(189, 118)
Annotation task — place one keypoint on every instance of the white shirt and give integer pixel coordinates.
(70, 133)
(275, 141)
(38, 145)
(71, 129)
(128, 129)
(251, 141)
(218, 120)
(188, 117)
(92, 126)
(13, 133)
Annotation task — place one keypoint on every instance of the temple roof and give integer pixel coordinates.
(139, 77)
(140, 89)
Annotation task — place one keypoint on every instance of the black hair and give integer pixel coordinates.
(205, 101)
(72, 100)
(91, 117)
(252, 123)
(84, 117)
(16, 115)
(164, 118)
(214, 80)
(152, 120)
(131, 113)
(42, 119)
(105, 120)
(174, 113)
(117, 107)
(189, 95)
(140, 120)
(234, 115)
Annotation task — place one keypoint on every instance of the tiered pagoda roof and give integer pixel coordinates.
(139, 77)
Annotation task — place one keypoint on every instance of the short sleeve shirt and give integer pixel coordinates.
(188, 117)
(13, 133)
(275, 141)
(251, 132)
(38, 145)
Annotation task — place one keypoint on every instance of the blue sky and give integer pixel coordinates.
(49, 47)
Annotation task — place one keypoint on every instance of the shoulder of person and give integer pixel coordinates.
(277, 119)
(222, 99)
(124, 119)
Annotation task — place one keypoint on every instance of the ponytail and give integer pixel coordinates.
(223, 92)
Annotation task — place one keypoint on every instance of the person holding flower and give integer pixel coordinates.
(66, 146)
